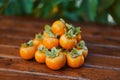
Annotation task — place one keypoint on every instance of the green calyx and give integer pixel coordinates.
(82, 45)
(42, 49)
(75, 53)
(73, 32)
(29, 43)
(48, 31)
(53, 53)
(62, 20)
(39, 36)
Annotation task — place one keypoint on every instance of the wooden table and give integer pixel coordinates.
(102, 63)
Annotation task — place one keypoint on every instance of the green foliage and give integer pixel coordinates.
(75, 10)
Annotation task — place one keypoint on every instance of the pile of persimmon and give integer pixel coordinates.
(59, 44)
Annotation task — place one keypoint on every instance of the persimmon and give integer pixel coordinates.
(55, 59)
(58, 27)
(40, 55)
(81, 45)
(67, 43)
(75, 58)
(51, 40)
(38, 40)
(27, 50)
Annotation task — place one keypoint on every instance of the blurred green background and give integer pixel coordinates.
(100, 11)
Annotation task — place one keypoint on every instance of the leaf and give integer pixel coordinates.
(104, 4)
(92, 9)
(102, 17)
(115, 11)
(27, 5)
(13, 8)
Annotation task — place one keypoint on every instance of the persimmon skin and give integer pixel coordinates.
(58, 27)
(57, 62)
(67, 43)
(40, 57)
(85, 53)
(50, 42)
(75, 62)
(36, 42)
(27, 52)
(78, 37)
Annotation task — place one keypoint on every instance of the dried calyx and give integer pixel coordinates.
(39, 36)
(75, 53)
(82, 45)
(29, 43)
(48, 31)
(53, 53)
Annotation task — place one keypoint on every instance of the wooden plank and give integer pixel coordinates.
(82, 72)
(9, 74)
(22, 24)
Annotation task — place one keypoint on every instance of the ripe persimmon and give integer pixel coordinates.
(55, 59)
(75, 58)
(40, 55)
(67, 43)
(58, 27)
(27, 50)
(50, 40)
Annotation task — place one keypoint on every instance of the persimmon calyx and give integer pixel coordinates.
(73, 32)
(39, 36)
(53, 53)
(48, 31)
(29, 43)
(75, 53)
(62, 20)
(82, 45)
(43, 48)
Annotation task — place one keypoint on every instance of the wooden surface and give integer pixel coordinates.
(102, 63)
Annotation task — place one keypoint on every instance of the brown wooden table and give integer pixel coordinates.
(102, 63)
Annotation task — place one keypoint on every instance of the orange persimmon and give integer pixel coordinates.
(27, 50)
(58, 27)
(55, 59)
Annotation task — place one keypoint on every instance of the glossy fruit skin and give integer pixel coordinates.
(57, 62)
(67, 43)
(78, 37)
(40, 56)
(50, 42)
(85, 53)
(75, 62)
(37, 42)
(58, 27)
(27, 52)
